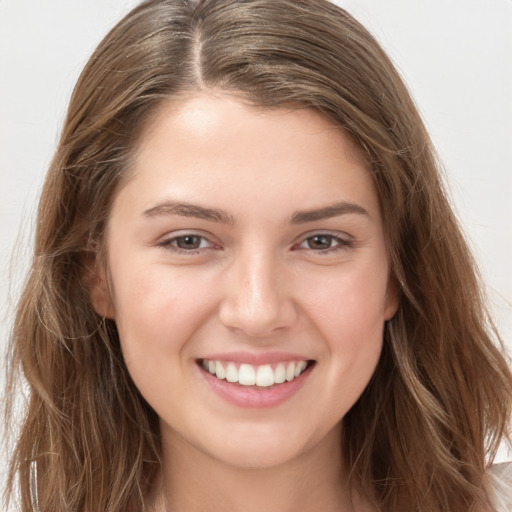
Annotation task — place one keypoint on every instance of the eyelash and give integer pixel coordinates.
(340, 244)
(169, 244)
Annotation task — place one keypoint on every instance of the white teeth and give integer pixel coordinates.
(231, 373)
(280, 374)
(219, 370)
(264, 376)
(290, 372)
(249, 375)
(300, 367)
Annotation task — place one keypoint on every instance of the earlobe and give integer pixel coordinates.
(100, 295)
(392, 300)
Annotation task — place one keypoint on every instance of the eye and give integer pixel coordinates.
(187, 243)
(322, 242)
(319, 242)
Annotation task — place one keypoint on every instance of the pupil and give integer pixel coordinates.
(188, 242)
(320, 242)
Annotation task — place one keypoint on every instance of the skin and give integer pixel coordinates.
(257, 283)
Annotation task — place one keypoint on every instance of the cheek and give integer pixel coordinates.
(157, 311)
(349, 313)
(348, 305)
(157, 314)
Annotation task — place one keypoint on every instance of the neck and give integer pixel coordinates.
(191, 481)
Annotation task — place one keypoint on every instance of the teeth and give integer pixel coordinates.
(231, 373)
(249, 375)
(280, 374)
(290, 372)
(264, 376)
(219, 370)
(300, 367)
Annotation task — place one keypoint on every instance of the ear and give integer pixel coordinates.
(392, 300)
(99, 291)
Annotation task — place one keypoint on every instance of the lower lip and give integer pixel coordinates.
(245, 396)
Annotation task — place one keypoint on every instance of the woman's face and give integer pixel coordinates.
(247, 248)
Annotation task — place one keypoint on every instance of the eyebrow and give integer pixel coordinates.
(334, 210)
(190, 210)
(218, 215)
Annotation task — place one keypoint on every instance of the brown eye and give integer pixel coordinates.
(319, 242)
(324, 243)
(188, 242)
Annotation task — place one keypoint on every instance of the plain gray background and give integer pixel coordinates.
(455, 56)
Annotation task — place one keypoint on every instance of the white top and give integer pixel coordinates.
(501, 480)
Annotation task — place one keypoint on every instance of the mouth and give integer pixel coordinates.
(264, 376)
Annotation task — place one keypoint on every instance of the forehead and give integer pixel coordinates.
(213, 146)
(206, 115)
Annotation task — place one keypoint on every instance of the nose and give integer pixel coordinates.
(257, 299)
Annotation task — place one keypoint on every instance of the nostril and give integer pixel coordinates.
(257, 319)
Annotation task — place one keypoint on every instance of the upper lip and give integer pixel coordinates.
(256, 359)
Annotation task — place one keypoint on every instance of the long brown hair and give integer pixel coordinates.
(421, 435)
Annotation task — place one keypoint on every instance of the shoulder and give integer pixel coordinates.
(500, 476)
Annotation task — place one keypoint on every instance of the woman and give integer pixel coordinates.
(248, 289)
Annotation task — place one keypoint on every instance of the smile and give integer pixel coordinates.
(262, 376)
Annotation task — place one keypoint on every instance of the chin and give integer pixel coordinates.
(262, 448)
(257, 456)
